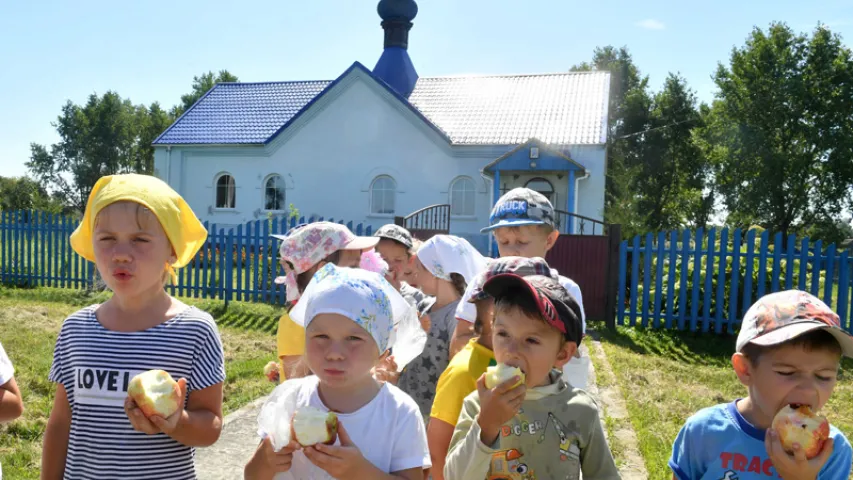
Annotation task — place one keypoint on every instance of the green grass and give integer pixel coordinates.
(30, 321)
(666, 376)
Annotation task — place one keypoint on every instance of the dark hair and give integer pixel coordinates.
(459, 283)
(396, 242)
(816, 340)
(479, 321)
(304, 278)
(520, 299)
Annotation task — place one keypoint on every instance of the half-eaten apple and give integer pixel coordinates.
(271, 371)
(798, 424)
(312, 426)
(501, 373)
(155, 393)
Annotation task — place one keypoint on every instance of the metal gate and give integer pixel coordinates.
(590, 257)
(426, 222)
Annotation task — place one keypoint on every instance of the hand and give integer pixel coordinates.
(155, 424)
(386, 371)
(277, 461)
(344, 461)
(426, 323)
(796, 466)
(498, 406)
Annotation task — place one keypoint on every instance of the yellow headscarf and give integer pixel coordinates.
(185, 232)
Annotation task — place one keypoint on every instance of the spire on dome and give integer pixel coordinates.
(394, 66)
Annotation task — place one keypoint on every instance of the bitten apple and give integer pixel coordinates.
(798, 424)
(271, 371)
(502, 373)
(311, 426)
(155, 393)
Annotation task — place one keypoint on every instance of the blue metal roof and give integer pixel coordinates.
(559, 109)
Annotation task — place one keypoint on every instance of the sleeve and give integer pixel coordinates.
(468, 457)
(410, 448)
(453, 386)
(680, 463)
(596, 459)
(7, 371)
(57, 368)
(466, 310)
(208, 366)
(840, 462)
(575, 291)
(290, 337)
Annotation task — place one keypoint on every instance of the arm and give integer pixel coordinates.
(461, 335)
(200, 424)
(294, 367)
(596, 459)
(55, 445)
(467, 456)
(11, 404)
(439, 434)
(265, 463)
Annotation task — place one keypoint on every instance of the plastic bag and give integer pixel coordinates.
(276, 413)
(408, 338)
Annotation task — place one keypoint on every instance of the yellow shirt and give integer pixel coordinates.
(290, 340)
(459, 380)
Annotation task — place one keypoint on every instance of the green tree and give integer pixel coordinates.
(201, 85)
(22, 193)
(783, 131)
(99, 138)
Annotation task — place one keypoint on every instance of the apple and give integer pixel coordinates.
(798, 424)
(312, 426)
(155, 393)
(271, 371)
(502, 373)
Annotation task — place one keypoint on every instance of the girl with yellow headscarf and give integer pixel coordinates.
(137, 230)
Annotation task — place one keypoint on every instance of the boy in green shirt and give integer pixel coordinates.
(541, 428)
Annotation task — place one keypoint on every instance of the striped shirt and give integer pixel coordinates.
(95, 366)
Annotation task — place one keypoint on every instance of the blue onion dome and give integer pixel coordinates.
(397, 9)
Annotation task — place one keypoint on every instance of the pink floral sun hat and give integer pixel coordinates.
(306, 245)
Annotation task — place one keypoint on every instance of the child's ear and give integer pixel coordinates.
(743, 368)
(566, 352)
(552, 239)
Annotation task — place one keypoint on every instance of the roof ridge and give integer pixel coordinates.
(275, 82)
(505, 75)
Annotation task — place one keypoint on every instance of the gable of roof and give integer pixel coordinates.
(558, 109)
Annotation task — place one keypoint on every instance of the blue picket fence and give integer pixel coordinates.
(235, 264)
(705, 281)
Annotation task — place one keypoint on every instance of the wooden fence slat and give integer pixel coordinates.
(697, 268)
(762, 262)
(647, 271)
(777, 260)
(843, 287)
(829, 278)
(817, 252)
(682, 290)
(670, 281)
(635, 271)
(620, 295)
(719, 301)
(789, 262)
(659, 278)
(804, 263)
(709, 277)
(733, 294)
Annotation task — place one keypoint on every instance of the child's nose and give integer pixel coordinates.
(335, 352)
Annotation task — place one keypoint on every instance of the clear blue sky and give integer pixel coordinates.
(52, 51)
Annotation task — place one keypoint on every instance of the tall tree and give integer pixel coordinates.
(785, 125)
(201, 85)
(22, 193)
(99, 138)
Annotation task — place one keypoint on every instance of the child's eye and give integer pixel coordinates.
(502, 334)
(321, 336)
(533, 341)
(140, 240)
(354, 338)
(823, 378)
(105, 239)
(785, 374)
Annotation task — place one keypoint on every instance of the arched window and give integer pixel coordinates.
(274, 193)
(382, 193)
(542, 186)
(226, 191)
(462, 193)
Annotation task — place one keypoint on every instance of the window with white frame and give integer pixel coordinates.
(462, 193)
(226, 191)
(382, 193)
(274, 193)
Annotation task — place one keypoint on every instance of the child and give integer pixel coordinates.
(303, 251)
(542, 428)
(444, 265)
(788, 352)
(396, 246)
(349, 317)
(460, 378)
(11, 406)
(136, 230)
(522, 222)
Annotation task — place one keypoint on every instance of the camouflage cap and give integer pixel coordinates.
(782, 316)
(521, 266)
(519, 207)
(396, 233)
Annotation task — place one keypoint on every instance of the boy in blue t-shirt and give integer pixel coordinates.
(788, 353)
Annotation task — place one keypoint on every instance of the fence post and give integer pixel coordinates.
(614, 238)
(401, 221)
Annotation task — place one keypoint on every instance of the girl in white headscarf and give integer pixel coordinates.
(352, 317)
(444, 266)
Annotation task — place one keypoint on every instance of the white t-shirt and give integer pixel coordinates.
(7, 371)
(467, 311)
(389, 431)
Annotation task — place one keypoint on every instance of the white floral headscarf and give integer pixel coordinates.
(446, 254)
(369, 300)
